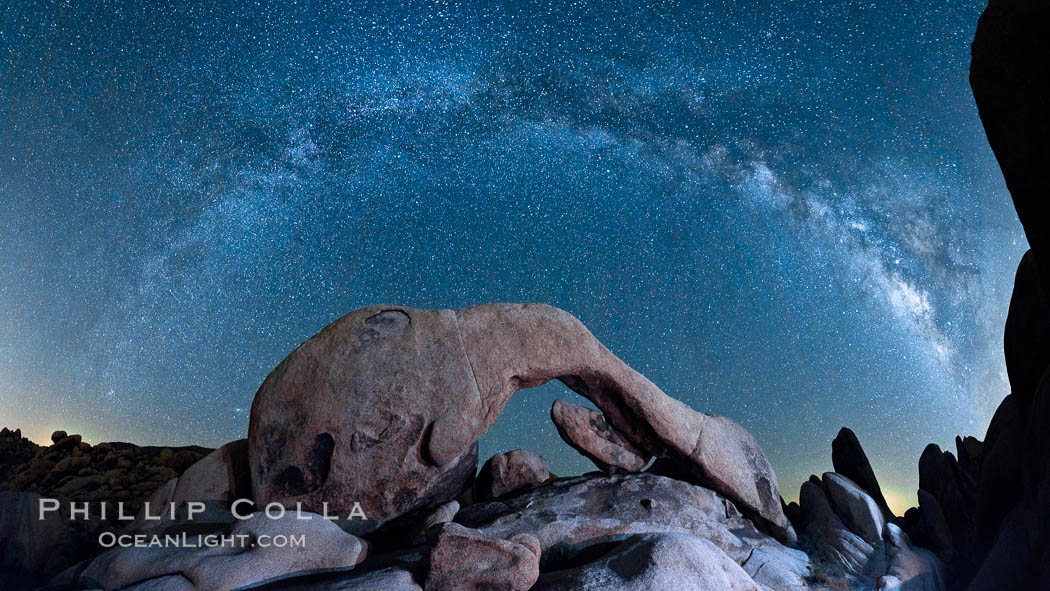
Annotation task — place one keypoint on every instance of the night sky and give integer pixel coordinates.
(783, 212)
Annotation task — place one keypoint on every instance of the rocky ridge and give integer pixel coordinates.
(70, 469)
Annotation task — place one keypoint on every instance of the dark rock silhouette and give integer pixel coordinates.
(15, 451)
(1008, 77)
(849, 460)
(987, 512)
(1027, 337)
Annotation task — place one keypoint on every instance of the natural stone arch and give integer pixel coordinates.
(385, 405)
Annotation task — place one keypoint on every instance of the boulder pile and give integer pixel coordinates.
(72, 470)
(846, 525)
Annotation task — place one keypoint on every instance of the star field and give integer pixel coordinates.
(786, 213)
